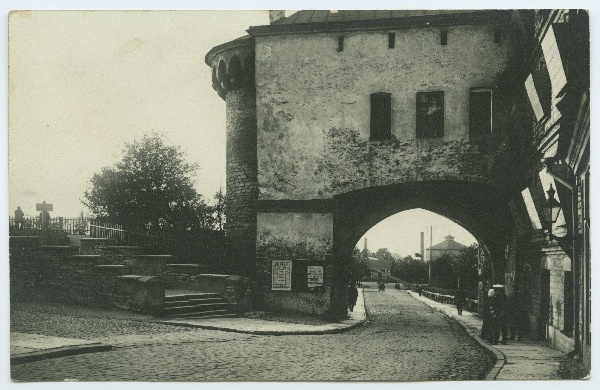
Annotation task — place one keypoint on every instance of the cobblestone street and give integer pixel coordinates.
(405, 340)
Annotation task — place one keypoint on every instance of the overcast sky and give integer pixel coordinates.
(82, 84)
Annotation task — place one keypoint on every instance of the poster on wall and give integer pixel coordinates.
(315, 276)
(282, 275)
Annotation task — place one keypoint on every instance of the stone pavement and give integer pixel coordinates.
(403, 340)
(518, 360)
(28, 347)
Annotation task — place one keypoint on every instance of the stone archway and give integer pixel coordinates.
(480, 209)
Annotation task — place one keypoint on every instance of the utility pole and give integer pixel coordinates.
(430, 245)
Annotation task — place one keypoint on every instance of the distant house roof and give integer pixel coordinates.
(310, 21)
(374, 262)
(448, 244)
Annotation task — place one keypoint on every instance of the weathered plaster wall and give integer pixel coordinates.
(313, 109)
(302, 238)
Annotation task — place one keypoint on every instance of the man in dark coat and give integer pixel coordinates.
(500, 323)
(459, 301)
(19, 218)
(352, 296)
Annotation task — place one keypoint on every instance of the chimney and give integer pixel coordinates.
(422, 244)
(275, 16)
(365, 243)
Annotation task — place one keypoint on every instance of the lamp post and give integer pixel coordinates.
(551, 208)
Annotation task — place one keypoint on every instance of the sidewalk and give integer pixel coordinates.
(258, 326)
(518, 360)
(26, 347)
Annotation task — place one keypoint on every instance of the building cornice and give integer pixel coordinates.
(497, 17)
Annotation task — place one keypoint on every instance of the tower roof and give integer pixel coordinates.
(448, 244)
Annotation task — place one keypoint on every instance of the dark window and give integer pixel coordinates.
(340, 43)
(443, 37)
(430, 114)
(497, 35)
(391, 40)
(480, 112)
(381, 116)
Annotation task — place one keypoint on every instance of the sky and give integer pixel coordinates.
(401, 234)
(83, 84)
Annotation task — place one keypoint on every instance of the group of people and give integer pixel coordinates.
(381, 286)
(495, 321)
(21, 222)
(502, 316)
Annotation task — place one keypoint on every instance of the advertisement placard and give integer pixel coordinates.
(315, 276)
(282, 275)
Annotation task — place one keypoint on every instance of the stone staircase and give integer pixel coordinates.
(196, 305)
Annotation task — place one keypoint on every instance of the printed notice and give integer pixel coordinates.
(315, 276)
(282, 275)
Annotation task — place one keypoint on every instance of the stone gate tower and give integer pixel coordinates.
(337, 120)
(233, 78)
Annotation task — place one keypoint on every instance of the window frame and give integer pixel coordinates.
(422, 132)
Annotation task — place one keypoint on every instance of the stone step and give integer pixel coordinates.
(199, 308)
(207, 314)
(193, 302)
(187, 297)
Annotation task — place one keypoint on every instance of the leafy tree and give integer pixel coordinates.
(442, 272)
(358, 266)
(150, 188)
(219, 210)
(465, 267)
(410, 270)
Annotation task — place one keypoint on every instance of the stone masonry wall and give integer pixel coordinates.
(58, 274)
(306, 239)
(313, 110)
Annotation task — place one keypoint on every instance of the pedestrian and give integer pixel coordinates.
(45, 219)
(500, 323)
(419, 289)
(459, 300)
(352, 296)
(516, 315)
(19, 218)
(487, 332)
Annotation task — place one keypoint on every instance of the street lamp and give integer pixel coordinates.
(551, 208)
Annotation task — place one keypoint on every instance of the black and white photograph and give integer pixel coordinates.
(388, 192)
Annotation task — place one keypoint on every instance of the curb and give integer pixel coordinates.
(268, 332)
(499, 356)
(58, 353)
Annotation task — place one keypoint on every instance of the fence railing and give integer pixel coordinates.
(68, 225)
(206, 247)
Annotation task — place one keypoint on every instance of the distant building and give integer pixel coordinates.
(447, 247)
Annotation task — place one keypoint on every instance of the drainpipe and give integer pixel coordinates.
(573, 188)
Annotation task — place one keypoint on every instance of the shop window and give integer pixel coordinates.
(430, 114)
(568, 303)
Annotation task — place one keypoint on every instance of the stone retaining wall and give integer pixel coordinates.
(59, 274)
